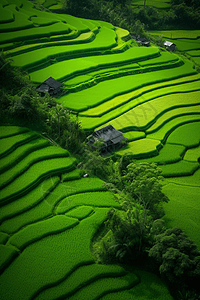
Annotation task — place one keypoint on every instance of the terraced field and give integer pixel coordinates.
(151, 95)
(48, 217)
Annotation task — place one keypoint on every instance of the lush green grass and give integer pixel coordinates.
(178, 34)
(7, 254)
(141, 148)
(181, 168)
(193, 154)
(20, 152)
(171, 125)
(150, 287)
(105, 39)
(155, 3)
(75, 174)
(161, 108)
(24, 203)
(170, 153)
(8, 144)
(134, 135)
(172, 114)
(194, 53)
(3, 237)
(80, 212)
(105, 285)
(6, 131)
(109, 89)
(73, 38)
(192, 180)
(183, 209)
(76, 66)
(35, 232)
(34, 175)
(50, 259)
(34, 157)
(5, 15)
(165, 57)
(99, 199)
(80, 277)
(187, 135)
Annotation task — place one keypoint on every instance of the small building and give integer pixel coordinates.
(170, 46)
(50, 86)
(107, 139)
(141, 41)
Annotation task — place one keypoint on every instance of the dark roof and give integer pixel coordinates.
(109, 133)
(49, 84)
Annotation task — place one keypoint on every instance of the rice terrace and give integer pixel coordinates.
(95, 75)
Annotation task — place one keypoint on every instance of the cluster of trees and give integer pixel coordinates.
(20, 104)
(136, 234)
(183, 14)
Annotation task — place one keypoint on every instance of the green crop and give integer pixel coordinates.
(34, 175)
(6, 131)
(170, 153)
(39, 230)
(187, 135)
(34, 157)
(193, 154)
(80, 213)
(181, 168)
(171, 125)
(99, 199)
(141, 148)
(184, 199)
(29, 200)
(8, 144)
(81, 277)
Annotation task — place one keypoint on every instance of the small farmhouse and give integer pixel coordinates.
(141, 41)
(169, 45)
(108, 137)
(50, 86)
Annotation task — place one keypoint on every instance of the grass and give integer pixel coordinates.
(193, 154)
(34, 157)
(134, 135)
(194, 53)
(6, 15)
(8, 144)
(105, 39)
(172, 114)
(150, 287)
(109, 89)
(76, 66)
(34, 33)
(33, 176)
(178, 34)
(80, 213)
(68, 39)
(170, 153)
(51, 259)
(163, 133)
(156, 3)
(7, 254)
(141, 148)
(105, 285)
(28, 201)
(96, 199)
(149, 113)
(192, 180)
(79, 278)
(181, 168)
(75, 174)
(6, 131)
(187, 135)
(185, 201)
(124, 98)
(20, 152)
(35, 232)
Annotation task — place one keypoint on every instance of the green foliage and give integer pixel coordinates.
(142, 182)
(177, 256)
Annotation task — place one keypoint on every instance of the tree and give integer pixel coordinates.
(177, 256)
(143, 182)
